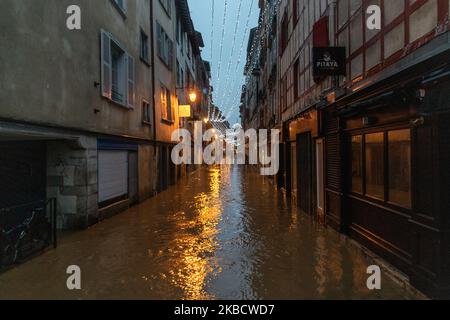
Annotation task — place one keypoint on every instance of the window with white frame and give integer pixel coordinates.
(144, 47)
(118, 73)
(146, 114)
(121, 5)
(180, 76)
(166, 104)
(165, 47)
(166, 4)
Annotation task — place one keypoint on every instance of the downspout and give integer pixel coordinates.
(152, 29)
(152, 50)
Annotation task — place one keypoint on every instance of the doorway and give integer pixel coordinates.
(305, 172)
(320, 181)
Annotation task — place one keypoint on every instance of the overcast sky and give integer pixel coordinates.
(228, 53)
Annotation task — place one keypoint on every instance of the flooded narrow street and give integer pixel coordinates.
(223, 233)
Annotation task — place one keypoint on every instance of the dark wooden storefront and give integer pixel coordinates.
(387, 155)
(300, 160)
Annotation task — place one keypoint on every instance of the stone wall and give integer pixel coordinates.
(72, 180)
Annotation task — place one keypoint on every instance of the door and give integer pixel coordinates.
(288, 168)
(112, 176)
(22, 173)
(305, 174)
(163, 169)
(320, 180)
(281, 172)
(133, 181)
(294, 168)
(25, 227)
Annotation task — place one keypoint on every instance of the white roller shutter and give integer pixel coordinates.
(112, 175)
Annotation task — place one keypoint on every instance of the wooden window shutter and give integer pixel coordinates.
(131, 82)
(170, 54)
(106, 64)
(320, 33)
(160, 40)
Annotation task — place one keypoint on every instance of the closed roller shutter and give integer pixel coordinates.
(112, 175)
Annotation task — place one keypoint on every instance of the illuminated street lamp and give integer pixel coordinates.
(193, 96)
(205, 120)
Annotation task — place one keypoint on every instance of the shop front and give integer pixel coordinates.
(305, 162)
(387, 152)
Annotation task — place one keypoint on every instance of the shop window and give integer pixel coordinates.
(357, 180)
(375, 165)
(375, 174)
(400, 167)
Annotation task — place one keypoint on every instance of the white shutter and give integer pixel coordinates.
(160, 40)
(130, 81)
(170, 54)
(106, 64)
(112, 175)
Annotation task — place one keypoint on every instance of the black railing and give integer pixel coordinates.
(51, 211)
(26, 230)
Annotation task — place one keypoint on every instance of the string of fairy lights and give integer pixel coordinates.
(226, 100)
(229, 89)
(212, 45)
(253, 57)
(218, 117)
(230, 60)
(224, 20)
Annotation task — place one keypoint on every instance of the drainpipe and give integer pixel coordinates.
(152, 49)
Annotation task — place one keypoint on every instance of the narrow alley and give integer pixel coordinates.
(222, 233)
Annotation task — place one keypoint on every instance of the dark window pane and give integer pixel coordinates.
(357, 164)
(375, 165)
(400, 167)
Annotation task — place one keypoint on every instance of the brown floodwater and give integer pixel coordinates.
(222, 233)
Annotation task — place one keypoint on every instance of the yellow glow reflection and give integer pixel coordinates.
(197, 244)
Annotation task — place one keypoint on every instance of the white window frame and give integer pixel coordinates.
(146, 105)
(166, 104)
(144, 46)
(122, 8)
(165, 47)
(106, 72)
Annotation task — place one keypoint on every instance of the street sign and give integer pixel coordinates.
(185, 111)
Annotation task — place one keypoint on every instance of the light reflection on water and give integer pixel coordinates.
(223, 233)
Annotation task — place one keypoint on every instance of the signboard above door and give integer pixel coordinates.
(329, 61)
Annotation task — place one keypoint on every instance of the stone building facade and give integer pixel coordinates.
(83, 115)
